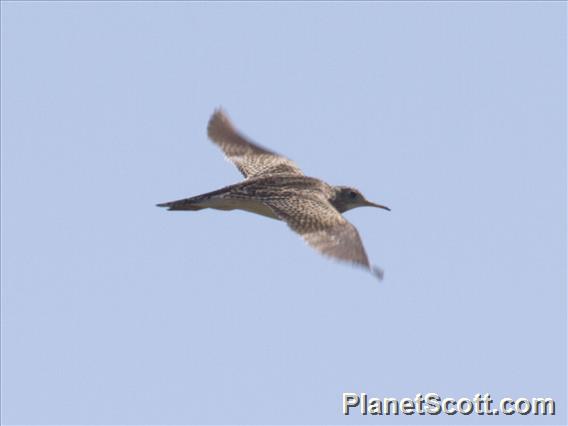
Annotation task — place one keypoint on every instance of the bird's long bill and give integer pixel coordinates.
(380, 206)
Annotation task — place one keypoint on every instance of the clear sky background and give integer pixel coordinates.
(117, 312)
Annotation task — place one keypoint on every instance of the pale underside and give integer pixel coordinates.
(310, 214)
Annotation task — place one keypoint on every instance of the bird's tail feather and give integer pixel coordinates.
(185, 204)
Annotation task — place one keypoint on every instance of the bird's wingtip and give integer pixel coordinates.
(219, 113)
(378, 272)
(218, 121)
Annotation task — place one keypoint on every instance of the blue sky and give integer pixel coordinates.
(117, 312)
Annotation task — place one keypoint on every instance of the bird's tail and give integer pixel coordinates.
(184, 204)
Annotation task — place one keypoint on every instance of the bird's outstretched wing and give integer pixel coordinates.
(323, 228)
(251, 159)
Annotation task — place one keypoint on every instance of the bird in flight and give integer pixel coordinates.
(275, 187)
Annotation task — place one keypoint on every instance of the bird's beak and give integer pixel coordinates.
(380, 206)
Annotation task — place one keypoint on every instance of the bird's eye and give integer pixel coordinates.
(352, 195)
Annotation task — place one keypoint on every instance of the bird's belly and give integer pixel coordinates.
(251, 206)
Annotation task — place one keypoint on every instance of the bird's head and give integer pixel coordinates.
(347, 198)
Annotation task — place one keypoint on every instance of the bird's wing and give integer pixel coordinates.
(250, 158)
(323, 228)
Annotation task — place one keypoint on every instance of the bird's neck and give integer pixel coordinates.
(338, 202)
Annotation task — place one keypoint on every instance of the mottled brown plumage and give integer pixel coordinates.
(275, 187)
